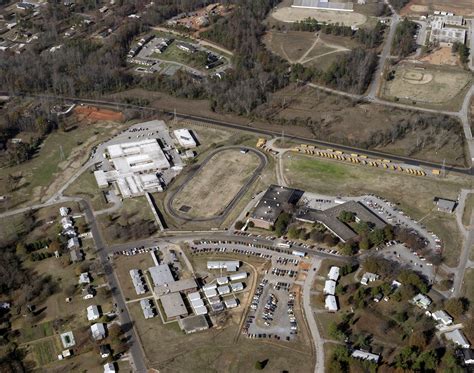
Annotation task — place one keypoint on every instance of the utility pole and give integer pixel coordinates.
(283, 137)
(443, 169)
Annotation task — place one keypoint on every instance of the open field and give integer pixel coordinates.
(441, 56)
(459, 7)
(214, 185)
(60, 155)
(306, 48)
(427, 84)
(86, 186)
(342, 120)
(468, 210)
(134, 220)
(414, 195)
(468, 288)
(289, 15)
(216, 349)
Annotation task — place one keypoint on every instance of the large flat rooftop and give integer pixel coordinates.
(273, 202)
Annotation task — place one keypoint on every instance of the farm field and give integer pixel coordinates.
(342, 120)
(414, 195)
(214, 185)
(427, 85)
(289, 15)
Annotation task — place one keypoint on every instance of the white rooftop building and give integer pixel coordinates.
(109, 368)
(330, 287)
(421, 301)
(237, 286)
(98, 331)
(457, 337)
(93, 312)
(333, 273)
(229, 265)
(331, 303)
(231, 303)
(443, 317)
(364, 355)
(368, 277)
(238, 276)
(101, 179)
(84, 278)
(63, 211)
(185, 138)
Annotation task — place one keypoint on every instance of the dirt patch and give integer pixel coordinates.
(441, 56)
(291, 45)
(458, 7)
(290, 15)
(96, 114)
(425, 84)
(216, 183)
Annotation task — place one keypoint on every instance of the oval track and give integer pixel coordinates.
(222, 215)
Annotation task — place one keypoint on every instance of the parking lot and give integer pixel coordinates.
(401, 254)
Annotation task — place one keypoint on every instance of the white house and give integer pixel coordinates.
(109, 368)
(421, 301)
(63, 211)
(333, 273)
(73, 243)
(443, 317)
(84, 278)
(331, 303)
(368, 277)
(93, 312)
(66, 223)
(98, 331)
(330, 287)
(457, 337)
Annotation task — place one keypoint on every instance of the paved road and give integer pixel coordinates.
(137, 360)
(313, 326)
(375, 84)
(468, 243)
(223, 214)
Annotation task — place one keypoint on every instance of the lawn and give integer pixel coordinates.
(468, 210)
(86, 186)
(468, 287)
(414, 195)
(32, 332)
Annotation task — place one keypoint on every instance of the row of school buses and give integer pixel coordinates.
(357, 158)
(353, 158)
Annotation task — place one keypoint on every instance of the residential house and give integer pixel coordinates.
(98, 331)
(93, 312)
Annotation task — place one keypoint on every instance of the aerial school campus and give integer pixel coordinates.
(331, 231)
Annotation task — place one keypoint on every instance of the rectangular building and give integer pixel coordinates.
(161, 274)
(185, 138)
(173, 305)
(193, 324)
(272, 204)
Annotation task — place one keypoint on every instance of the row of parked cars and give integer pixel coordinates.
(269, 309)
(135, 250)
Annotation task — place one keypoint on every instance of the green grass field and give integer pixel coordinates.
(31, 333)
(86, 186)
(45, 352)
(468, 210)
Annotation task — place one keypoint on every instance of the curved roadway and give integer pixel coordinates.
(176, 214)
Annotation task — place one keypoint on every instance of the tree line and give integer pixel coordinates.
(404, 42)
